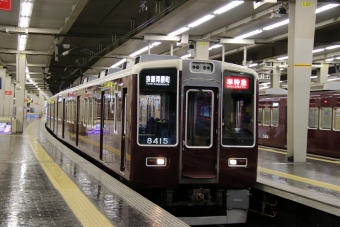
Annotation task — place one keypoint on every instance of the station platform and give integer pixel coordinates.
(43, 183)
(315, 183)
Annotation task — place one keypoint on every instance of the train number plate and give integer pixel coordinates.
(157, 140)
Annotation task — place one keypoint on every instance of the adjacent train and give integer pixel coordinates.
(186, 127)
(323, 121)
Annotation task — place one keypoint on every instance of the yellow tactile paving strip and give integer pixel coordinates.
(300, 179)
(81, 206)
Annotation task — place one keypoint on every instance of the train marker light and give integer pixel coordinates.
(156, 161)
(237, 162)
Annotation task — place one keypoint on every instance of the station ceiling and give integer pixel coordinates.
(101, 33)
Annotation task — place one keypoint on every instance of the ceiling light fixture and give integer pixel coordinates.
(22, 42)
(201, 20)
(282, 58)
(330, 59)
(179, 31)
(186, 56)
(215, 46)
(326, 7)
(227, 7)
(249, 34)
(276, 25)
(318, 50)
(332, 47)
(138, 52)
(118, 63)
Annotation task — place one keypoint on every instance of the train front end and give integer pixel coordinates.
(197, 133)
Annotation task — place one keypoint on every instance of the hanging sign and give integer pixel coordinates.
(5, 4)
(236, 82)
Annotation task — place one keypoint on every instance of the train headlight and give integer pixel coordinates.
(237, 162)
(156, 161)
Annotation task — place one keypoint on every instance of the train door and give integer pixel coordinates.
(77, 120)
(57, 119)
(199, 154)
(102, 124)
(123, 133)
(109, 126)
(63, 120)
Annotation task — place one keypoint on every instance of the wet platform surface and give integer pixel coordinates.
(315, 183)
(43, 183)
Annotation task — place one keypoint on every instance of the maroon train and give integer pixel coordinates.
(174, 124)
(323, 122)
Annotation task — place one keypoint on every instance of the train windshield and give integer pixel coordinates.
(157, 107)
(238, 109)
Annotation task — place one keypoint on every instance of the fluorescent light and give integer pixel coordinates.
(186, 56)
(215, 46)
(179, 31)
(26, 9)
(22, 42)
(326, 7)
(276, 25)
(252, 65)
(337, 58)
(318, 50)
(249, 34)
(332, 47)
(227, 7)
(282, 58)
(28, 76)
(118, 63)
(314, 77)
(23, 22)
(330, 59)
(201, 20)
(144, 49)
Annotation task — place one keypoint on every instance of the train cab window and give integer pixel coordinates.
(238, 110)
(259, 116)
(313, 118)
(275, 117)
(336, 119)
(325, 118)
(266, 116)
(158, 107)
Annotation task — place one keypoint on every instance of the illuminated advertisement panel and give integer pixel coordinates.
(233, 82)
(5, 128)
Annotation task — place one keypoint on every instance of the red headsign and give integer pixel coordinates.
(5, 4)
(236, 82)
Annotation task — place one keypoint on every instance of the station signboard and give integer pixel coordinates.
(5, 4)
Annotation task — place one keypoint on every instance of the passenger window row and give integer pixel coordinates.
(268, 116)
(324, 118)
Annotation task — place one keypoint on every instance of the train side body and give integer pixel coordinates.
(323, 123)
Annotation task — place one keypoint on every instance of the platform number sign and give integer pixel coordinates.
(306, 4)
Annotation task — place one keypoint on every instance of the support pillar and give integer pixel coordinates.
(20, 91)
(300, 47)
(202, 50)
(322, 74)
(41, 104)
(275, 78)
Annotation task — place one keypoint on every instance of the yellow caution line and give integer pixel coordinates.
(308, 157)
(81, 206)
(300, 179)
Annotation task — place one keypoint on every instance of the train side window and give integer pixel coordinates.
(260, 116)
(313, 118)
(325, 118)
(115, 113)
(73, 103)
(90, 111)
(85, 112)
(266, 116)
(158, 107)
(336, 119)
(68, 111)
(275, 117)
